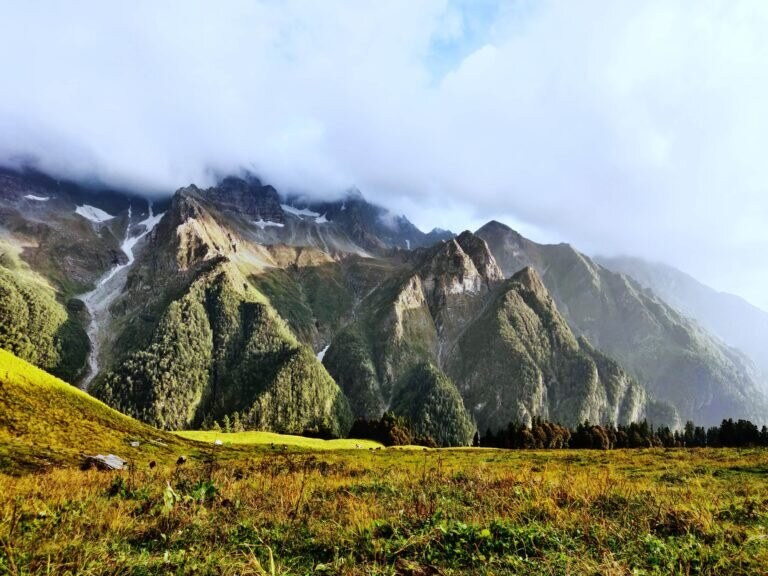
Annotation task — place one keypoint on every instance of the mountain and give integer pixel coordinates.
(734, 320)
(501, 343)
(69, 233)
(292, 314)
(673, 357)
(193, 341)
(350, 225)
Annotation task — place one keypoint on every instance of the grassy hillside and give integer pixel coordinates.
(45, 421)
(251, 438)
(257, 510)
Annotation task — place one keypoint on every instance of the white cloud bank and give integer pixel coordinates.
(635, 127)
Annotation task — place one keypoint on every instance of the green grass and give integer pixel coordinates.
(388, 512)
(270, 438)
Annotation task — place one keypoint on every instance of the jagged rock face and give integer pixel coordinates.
(247, 196)
(671, 356)
(374, 228)
(503, 344)
(511, 250)
(456, 277)
(350, 225)
(477, 250)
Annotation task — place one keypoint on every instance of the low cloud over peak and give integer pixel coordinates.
(621, 127)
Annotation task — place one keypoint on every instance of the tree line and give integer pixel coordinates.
(543, 434)
(395, 430)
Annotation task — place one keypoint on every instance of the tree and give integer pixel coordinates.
(688, 433)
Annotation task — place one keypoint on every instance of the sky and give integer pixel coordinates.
(622, 127)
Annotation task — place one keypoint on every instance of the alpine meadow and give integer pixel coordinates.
(383, 288)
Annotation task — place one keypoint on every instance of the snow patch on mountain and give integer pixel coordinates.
(37, 198)
(93, 214)
(299, 212)
(267, 223)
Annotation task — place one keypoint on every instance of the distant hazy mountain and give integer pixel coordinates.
(737, 322)
(677, 360)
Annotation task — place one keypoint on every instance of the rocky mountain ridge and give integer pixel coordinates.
(295, 314)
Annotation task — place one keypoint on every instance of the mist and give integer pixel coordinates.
(621, 127)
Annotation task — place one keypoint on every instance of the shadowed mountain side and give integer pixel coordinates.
(670, 355)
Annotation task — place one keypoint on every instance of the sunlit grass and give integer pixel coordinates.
(398, 512)
(278, 440)
(44, 422)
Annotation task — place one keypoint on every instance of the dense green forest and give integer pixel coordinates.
(35, 326)
(432, 405)
(221, 350)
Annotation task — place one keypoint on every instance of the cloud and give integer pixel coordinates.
(632, 127)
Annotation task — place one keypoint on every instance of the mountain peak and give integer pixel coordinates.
(478, 251)
(246, 195)
(529, 278)
(496, 227)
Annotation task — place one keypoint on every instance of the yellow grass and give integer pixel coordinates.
(262, 438)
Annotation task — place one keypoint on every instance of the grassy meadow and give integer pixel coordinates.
(472, 511)
(263, 503)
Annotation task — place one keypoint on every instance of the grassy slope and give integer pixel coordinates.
(44, 420)
(360, 511)
(264, 438)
